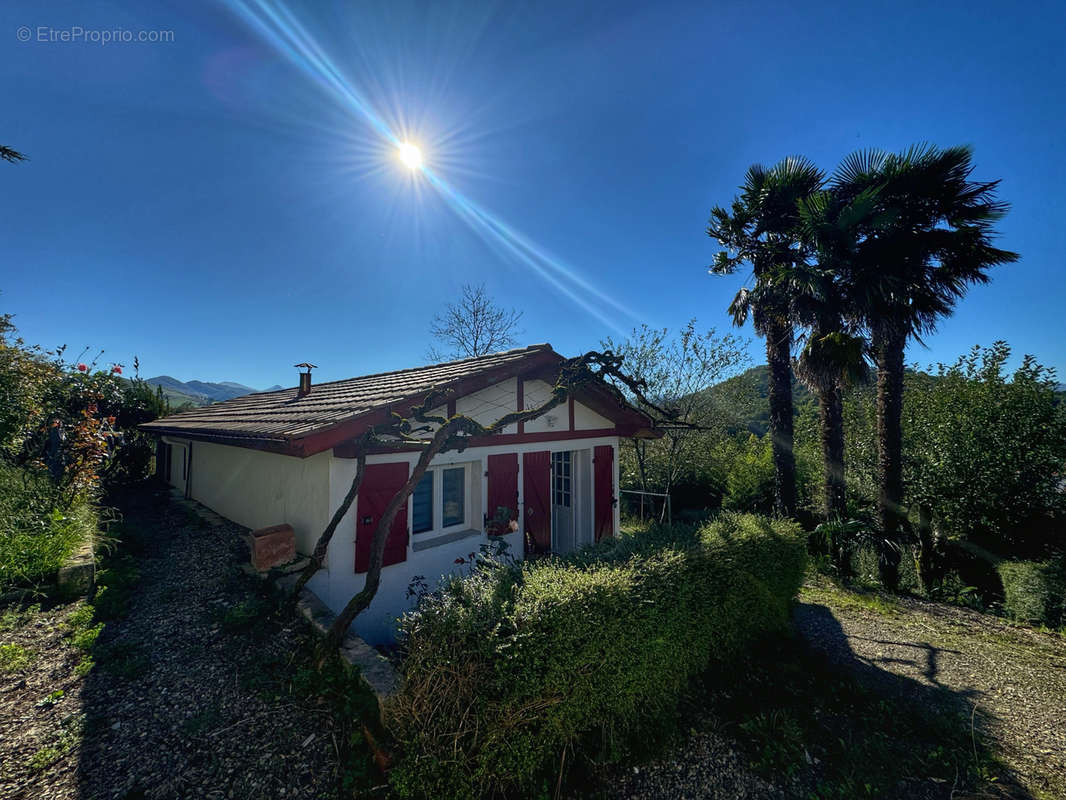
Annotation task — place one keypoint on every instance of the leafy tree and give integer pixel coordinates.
(473, 326)
(762, 229)
(25, 374)
(677, 372)
(985, 455)
(926, 238)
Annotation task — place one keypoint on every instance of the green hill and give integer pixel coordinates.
(748, 396)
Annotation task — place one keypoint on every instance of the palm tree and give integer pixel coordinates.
(11, 155)
(926, 239)
(832, 356)
(834, 349)
(761, 228)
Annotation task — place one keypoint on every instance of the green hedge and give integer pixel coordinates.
(511, 667)
(1035, 591)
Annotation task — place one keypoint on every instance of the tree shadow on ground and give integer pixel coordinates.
(203, 683)
(838, 725)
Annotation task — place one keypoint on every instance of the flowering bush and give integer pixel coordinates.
(76, 420)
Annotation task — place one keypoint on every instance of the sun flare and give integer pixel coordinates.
(410, 155)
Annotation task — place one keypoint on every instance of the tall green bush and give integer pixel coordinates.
(511, 671)
(1035, 591)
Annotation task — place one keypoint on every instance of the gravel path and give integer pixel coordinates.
(707, 766)
(1015, 676)
(197, 703)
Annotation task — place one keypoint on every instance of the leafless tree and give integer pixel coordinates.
(473, 326)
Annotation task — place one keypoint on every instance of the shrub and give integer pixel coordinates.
(509, 669)
(1035, 591)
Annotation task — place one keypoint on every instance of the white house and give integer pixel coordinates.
(288, 457)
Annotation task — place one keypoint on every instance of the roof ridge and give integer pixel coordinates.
(533, 348)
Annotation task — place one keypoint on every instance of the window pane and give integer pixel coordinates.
(454, 496)
(422, 504)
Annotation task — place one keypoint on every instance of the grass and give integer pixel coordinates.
(70, 737)
(313, 677)
(44, 758)
(116, 581)
(242, 615)
(115, 585)
(40, 529)
(14, 657)
(14, 618)
(819, 589)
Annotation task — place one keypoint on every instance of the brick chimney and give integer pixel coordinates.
(305, 379)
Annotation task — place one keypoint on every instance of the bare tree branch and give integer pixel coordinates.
(473, 326)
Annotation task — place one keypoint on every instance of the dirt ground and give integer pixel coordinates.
(1013, 676)
(186, 699)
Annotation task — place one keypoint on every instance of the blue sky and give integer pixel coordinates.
(228, 203)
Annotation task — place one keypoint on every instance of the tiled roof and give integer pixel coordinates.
(284, 416)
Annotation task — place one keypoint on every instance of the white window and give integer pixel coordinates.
(441, 500)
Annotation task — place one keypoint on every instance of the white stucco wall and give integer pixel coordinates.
(338, 583)
(489, 404)
(535, 393)
(257, 489)
(585, 419)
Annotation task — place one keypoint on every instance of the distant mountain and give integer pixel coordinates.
(275, 388)
(199, 393)
(220, 391)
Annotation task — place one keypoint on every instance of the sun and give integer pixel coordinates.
(410, 155)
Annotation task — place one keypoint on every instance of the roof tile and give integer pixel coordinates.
(284, 414)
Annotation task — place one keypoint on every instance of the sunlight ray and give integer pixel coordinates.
(279, 27)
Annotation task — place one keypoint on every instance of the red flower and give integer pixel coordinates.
(117, 369)
(110, 420)
(82, 368)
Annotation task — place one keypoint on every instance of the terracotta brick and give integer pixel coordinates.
(272, 547)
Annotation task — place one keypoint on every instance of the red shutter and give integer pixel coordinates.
(536, 497)
(603, 507)
(503, 491)
(381, 482)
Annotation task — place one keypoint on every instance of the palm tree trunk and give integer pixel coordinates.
(831, 412)
(778, 358)
(889, 342)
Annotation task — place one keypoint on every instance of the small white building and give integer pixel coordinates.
(288, 457)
